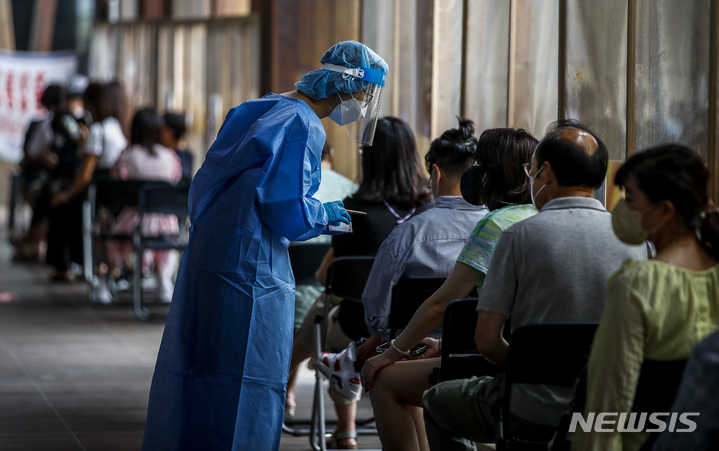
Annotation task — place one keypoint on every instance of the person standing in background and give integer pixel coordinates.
(101, 145)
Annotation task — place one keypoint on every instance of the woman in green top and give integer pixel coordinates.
(397, 391)
(656, 309)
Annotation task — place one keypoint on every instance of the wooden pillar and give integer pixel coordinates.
(631, 73)
(7, 29)
(43, 25)
(713, 145)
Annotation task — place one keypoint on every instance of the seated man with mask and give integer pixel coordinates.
(539, 272)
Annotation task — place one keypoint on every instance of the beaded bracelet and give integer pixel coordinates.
(394, 346)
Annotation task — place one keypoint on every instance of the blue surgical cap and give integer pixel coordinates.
(322, 83)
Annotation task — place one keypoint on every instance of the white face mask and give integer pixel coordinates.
(531, 187)
(348, 111)
(627, 223)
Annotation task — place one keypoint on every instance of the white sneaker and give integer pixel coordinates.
(165, 287)
(100, 292)
(340, 370)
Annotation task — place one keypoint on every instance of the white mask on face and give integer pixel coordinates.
(531, 187)
(348, 111)
(627, 223)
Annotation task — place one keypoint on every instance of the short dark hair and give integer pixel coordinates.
(501, 152)
(571, 164)
(146, 129)
(454, 150)
(51, 96)
(391, 168)
(676, 173)
(175, 122)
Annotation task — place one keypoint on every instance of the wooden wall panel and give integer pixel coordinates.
(446, 65)
(7, 30)
(153, 9)
(232, 8)
(301, 32)
(43, 25)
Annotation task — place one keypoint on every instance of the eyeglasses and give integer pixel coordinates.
(527, 167)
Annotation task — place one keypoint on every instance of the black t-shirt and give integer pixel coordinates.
(370, 230)
(368, 233)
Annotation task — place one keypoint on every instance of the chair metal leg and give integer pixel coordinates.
(14, 195)
(87, 264)
(141, 312)
(317, 427)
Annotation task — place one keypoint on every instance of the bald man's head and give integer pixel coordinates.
(577, 156)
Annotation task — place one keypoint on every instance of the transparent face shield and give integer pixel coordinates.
(370, 100)
(364, 128)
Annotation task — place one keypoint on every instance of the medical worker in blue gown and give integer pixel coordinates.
(221, 372)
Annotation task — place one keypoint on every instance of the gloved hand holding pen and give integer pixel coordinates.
(336, 212)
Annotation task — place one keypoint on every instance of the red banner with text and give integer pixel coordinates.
(23, 78)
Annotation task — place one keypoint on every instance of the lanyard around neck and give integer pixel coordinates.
(400, 219)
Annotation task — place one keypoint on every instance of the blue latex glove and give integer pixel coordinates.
(336, 212)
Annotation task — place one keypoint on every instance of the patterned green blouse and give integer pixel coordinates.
(480, 245)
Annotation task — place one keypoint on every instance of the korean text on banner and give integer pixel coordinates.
(23, 78)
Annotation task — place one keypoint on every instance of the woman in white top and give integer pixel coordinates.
(102, 143)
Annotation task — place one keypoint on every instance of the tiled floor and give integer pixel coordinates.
(75, 376)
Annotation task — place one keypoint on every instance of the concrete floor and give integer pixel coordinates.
(74, 376)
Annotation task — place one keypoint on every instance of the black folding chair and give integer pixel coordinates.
(106, 197)
(460, 357)
(305, 258)
(551, 354)
(158, 197)
(407, 296)
(346, 278)
(657, 388)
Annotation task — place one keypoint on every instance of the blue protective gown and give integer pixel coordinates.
(222, 369)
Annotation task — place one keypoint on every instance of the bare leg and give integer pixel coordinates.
(396, 401)
(291, 392)
(418, 418)
(299, 354)
(346, 416)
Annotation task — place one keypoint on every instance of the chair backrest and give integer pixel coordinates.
(658, 385)
(552, 354)
(115, 194)
(460, 357)
(163, 197)
(549, 353)
(407, 296)
(657, 388)
(305, 259)
(347, 277)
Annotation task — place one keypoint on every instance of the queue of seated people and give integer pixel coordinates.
(519, 222)
(82, 138)
(513, 217)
